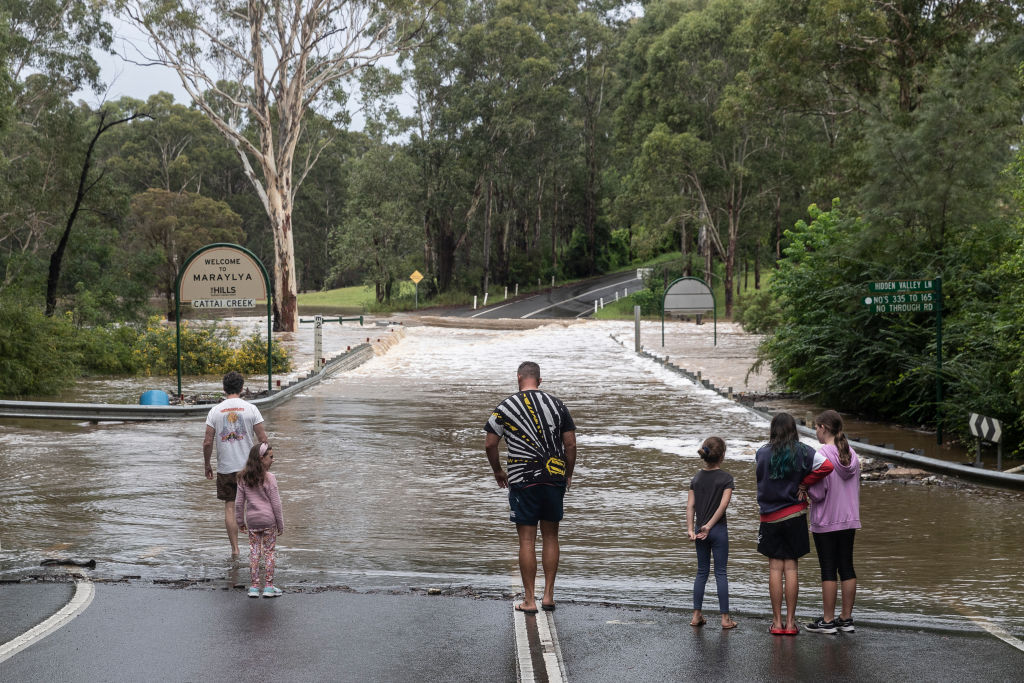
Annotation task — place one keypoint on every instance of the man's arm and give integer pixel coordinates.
(569, 443)
(491, 448)
(208, 450)
(260, 432)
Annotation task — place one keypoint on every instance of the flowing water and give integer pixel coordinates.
(385, 485)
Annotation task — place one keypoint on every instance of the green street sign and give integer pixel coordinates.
(897, 286)
(926, 300)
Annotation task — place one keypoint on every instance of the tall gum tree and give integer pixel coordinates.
(257, 68)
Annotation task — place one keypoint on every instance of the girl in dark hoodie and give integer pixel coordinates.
(785, 468)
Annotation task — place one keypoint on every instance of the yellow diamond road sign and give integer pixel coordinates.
(416, 276)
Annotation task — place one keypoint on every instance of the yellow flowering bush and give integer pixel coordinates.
(206, 349)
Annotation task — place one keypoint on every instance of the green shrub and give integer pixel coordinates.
(37, 354)
(107, 350)
(759, 311)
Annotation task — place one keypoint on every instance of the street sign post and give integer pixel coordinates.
(416, 277)
(913, 296)
(987, 429)
(688, 295)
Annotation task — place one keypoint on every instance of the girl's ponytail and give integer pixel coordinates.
(843, 446)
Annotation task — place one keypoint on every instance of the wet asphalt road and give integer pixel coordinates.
(569, 301)
(141, 632)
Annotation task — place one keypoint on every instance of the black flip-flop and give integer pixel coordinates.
(519, 608)
(547, 608)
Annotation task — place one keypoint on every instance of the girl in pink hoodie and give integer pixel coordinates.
(835, 517)
(258, 511)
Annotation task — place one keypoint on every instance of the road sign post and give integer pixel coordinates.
(987, 429)
(416, 277)
(688, 295)
(318, 342)
(913, 296)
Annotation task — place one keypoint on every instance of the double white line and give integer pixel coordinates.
(550, 653)
(84, 593)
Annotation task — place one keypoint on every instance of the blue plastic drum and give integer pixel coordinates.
(154, 397)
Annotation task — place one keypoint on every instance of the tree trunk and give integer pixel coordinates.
(57, 258)
(778, 227)
(284, 282)
(730, 255)
(487, 235)
(684, 247)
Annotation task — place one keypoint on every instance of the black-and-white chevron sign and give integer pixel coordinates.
(986, 428)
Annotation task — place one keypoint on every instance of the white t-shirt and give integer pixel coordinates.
(233, 420)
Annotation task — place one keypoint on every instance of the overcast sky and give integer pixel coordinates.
(123, 77)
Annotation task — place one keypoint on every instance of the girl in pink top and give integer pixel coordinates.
(835, 517)
(258, 511)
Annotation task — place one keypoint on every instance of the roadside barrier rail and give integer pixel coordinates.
(106, 412)
(976, 474)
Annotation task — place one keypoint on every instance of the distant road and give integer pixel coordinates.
(571, 301)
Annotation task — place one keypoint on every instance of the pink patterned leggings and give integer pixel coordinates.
(262, 546)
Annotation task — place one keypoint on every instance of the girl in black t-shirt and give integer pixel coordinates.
(710, 492)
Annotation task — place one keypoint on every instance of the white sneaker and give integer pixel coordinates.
(271, 592)
(254, 592)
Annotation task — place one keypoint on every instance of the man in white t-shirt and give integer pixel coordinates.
(232, 424)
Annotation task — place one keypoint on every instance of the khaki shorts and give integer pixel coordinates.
(227, 486)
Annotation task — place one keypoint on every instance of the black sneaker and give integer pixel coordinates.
(819, 625)
(845, 624)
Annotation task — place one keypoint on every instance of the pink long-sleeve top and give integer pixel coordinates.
(259, 507)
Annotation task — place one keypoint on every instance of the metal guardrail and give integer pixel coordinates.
(106, 412)
(934, 465)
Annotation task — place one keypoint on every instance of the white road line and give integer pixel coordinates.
(579, 296)
(524, 661)
(998, 632)
(495, 308)
(84, 593)
(985, 623)
(552, 653)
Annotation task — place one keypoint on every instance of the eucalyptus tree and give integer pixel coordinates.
(175, 224)
(380, 234)
(175, 149)
(46, 55)
(438, 130)
(260, 68)
(678, 113)
(913, 101)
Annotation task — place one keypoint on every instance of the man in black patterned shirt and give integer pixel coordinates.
(541, 439)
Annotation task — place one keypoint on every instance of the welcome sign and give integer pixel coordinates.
(223, 276)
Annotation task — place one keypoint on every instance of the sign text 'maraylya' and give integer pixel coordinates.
(221, 277)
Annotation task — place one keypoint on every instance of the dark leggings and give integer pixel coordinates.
(716, 543)
(835, 554)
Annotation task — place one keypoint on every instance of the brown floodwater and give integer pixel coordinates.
(385, 485)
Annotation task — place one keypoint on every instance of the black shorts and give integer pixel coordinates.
(785, 540)
(227, 486)
(530, 504)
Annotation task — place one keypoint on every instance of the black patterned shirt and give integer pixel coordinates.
(532, 423)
